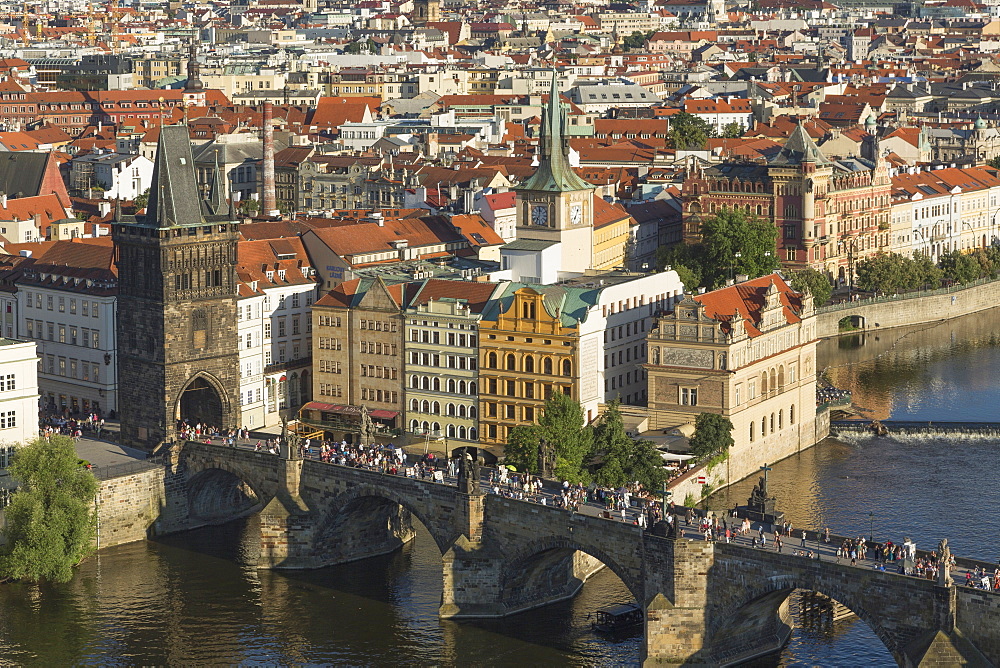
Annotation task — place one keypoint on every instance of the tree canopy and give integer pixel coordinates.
(726, 234)
(732, 130)
(561, 427)
(619, 459)
(890, 272)
(814, 282)
(713, 434)
(50, 520)
(688, 132)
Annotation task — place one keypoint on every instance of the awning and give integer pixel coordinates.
(331, 408)
(675, 457)
(383, 415)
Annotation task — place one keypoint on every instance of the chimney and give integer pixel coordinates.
(3, 200)
(270, 206)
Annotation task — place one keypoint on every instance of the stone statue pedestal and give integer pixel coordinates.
(760, 506)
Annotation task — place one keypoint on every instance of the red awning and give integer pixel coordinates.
(384, 415)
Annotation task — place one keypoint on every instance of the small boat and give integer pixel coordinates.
(618, 618)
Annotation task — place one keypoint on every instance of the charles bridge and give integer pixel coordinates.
(707, 603)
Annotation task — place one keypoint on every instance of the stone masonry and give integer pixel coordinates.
(704, 601)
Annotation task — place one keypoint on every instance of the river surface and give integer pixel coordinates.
(188, 600)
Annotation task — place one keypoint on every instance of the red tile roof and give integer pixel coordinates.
(747, 299)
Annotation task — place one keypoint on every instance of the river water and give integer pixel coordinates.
(188, 600)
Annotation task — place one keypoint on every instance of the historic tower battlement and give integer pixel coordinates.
(176, 328)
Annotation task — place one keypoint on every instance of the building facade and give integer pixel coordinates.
(747, 352)
(177, 326)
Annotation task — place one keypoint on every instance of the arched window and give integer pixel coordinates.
(451, 431)
(473, 412)
(461, 410)
(567, 368)
(781, 415)
(752, 424)
(414, 382)
(461, 432)
(414, 425)
(436, 427)
(772, 423)
(763, 384)
(511, 363)
(436, 408)
(425, 383)
(414, 405)
(791, 414)
(461, 387)
(781, 377)
(774, 380)
(450, 409)
(763, 426)
(491, 360)
(451, 385)
(472, 388)
(425, 426)
(529, 364)
(425, 407)
(473, 434)
(437, 384)
(654, 355)
(723, 361)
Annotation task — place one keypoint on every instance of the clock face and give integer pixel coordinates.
(576, 214)
(539, 215)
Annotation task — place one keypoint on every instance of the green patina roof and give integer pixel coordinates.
(554, 173)
(570, 303)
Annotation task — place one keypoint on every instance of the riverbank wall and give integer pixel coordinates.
(913, 308)
(744, 460)
(127, 506)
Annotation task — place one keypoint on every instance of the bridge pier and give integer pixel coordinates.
(286, 525)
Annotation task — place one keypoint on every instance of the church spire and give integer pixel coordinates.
(554, 173)
(194, 82)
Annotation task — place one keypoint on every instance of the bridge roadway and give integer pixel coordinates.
(814, 544)
(707, 603)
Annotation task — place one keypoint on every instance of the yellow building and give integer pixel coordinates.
(527, 352)
(612, 224)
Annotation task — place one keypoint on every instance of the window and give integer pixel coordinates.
(62, 304)
(689, 396)
(9, 383)
(510, 411)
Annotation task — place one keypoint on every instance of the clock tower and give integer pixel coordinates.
(554, 204)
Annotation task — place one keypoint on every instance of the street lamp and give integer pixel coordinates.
(871, 528)
(732, 268)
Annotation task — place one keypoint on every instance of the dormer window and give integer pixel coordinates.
(270, 275)
(281, 274)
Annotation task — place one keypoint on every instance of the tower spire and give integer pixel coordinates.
(554, 173)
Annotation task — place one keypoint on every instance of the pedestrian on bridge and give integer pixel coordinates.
(803, 538)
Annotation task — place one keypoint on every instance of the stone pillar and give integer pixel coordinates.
(286, 526)
(676, 598)
(472, 581)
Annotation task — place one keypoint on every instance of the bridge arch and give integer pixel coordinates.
(203, 399)
(218, 495)
(772, 592)
(524, 567)
(341, 515)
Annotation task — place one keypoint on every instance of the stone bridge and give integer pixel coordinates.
(706, 603)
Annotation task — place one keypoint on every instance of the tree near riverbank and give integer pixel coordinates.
(562, 430)
(713, 434)
(618, 459)
(51, 521)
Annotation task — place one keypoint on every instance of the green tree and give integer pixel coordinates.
(729, 232)
(884, 272)
(814, 282)
(994, 162)
(563, 428)
(713, 433)
(141, 200)
(688, 132)
(732, 130)
(637, 40)
(250, 206)
(620, 459)
(521, 450)
(960, 267)
(50, 520)
(923, 273)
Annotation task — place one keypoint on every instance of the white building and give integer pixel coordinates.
(276, 293)
(66, 302)
(18, 403)
(123, 176)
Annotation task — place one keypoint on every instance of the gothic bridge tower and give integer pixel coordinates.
(177, 339)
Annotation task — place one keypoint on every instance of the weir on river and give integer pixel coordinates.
(930, 428)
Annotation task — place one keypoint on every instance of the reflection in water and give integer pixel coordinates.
(186, 600)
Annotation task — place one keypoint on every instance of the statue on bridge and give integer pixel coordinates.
(944, 563)
(546, 458)
(291, 442)
(367, 432)
(469, 473)
(760, 505)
